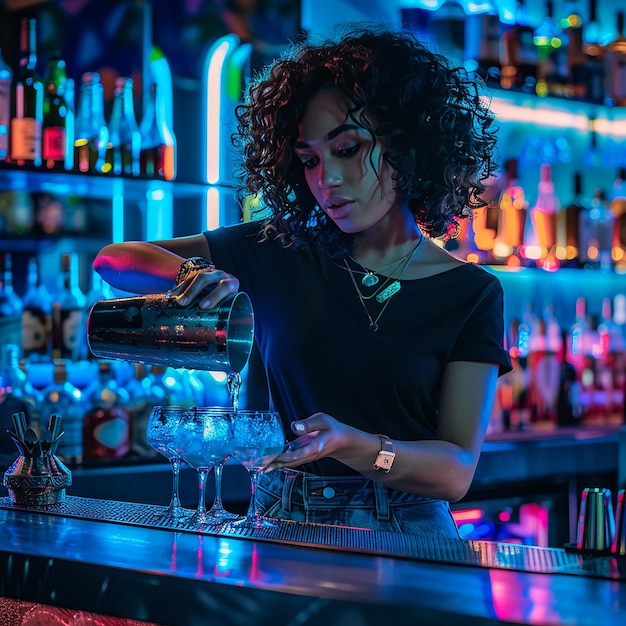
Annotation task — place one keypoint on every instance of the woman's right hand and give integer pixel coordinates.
(206, 286)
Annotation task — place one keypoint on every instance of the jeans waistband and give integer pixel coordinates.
(296, 488)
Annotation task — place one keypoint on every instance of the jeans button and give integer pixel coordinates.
(328, 492)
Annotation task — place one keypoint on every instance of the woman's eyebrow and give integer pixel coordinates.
(331, 135)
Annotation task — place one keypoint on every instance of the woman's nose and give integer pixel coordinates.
(329, 176)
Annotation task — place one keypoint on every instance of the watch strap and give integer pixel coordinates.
(386, 456)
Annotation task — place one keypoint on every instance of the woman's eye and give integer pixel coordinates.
(350, 151)
(309, 161)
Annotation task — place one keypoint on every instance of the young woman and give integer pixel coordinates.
(381, 350)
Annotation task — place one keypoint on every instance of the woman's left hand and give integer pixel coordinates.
(319, 436)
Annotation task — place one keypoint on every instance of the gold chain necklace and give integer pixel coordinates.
(386, 294)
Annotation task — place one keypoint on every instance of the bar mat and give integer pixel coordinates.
(489, 554)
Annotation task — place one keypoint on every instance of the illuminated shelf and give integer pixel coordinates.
(526, 108)
(539, 288)
(97, 187)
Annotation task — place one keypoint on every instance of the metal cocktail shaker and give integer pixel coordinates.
(156, 330)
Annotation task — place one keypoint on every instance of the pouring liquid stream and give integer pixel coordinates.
(233, 386)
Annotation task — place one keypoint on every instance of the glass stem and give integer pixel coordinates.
(217, 500)
(253, 511)
(203, 472)
(175, 500)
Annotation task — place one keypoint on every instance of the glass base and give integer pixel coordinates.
(255, 522)
(175, 513)
(218, 516)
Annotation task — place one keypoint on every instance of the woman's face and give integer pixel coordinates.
(344, 170)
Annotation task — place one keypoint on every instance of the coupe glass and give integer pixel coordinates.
(258, 440)
(205, 438)
(161, 435)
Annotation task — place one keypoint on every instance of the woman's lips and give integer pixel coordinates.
(338, 209)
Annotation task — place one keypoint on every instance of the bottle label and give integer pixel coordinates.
(106, 433)
(113, 434)
(68, 333)
(25, 139)
(36, 331)
(54, 143)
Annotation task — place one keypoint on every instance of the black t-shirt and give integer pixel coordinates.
(319, 353)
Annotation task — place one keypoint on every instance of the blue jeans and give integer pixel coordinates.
(352, 501)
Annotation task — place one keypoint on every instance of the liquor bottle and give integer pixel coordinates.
(568, 224)
(68, 327)
(618, 207)
(596, 378)
(91, 135)
(64, 399)
(594, 53)
(50, 213)
(546, 367)
(483, 30)
(124, 147)
(55, 115)
(619, 369)
(10, 305)
(619, 319)
(70, 124)
(36, 317)
(572, 24)
(518, 53)
(519, 412)
(615, 66)
(540, 231)
(106, 425)
(608, 360)
(158, 143)
(417, 20)
(19, 213)
(578, 339)
(569, 406)
(16, 395)
(27, 118)
(448, 29)
(551, 46)
(513, 209)
(597, 226)
(6, 80)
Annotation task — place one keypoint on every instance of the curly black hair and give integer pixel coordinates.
(438, 131)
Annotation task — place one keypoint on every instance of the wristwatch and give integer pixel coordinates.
(385, 457)
(191, 265)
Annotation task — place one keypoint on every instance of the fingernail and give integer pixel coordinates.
(298, 427)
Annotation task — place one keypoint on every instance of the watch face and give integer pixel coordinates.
(384, 460)
(189, 266)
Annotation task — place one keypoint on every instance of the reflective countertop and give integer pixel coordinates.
(182, 578)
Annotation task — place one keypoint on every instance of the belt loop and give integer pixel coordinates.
(382, 501)
(288, 485)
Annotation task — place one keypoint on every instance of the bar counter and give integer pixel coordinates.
(109, 558)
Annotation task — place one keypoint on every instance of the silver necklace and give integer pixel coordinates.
(369, 276)
(386, 294)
